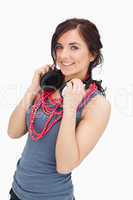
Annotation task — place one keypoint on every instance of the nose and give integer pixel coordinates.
(64, 54)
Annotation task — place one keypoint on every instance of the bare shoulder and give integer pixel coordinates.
(100, 101)
(92, 125)
(98, 106)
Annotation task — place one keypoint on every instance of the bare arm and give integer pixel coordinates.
(74, 144)
(67, 152)
(17, 125)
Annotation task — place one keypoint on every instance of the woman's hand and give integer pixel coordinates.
(35, 84)
(72, 94)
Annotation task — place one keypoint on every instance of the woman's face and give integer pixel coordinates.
(72, 55)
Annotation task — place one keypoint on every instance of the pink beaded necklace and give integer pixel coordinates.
(52, 111)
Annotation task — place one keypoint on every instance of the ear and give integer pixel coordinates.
(92, 57)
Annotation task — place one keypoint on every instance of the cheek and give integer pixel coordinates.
(83, 64)
(57, 58)
(83, 59)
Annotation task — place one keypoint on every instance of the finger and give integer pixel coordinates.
(76, 87)
(69, 84)
(53, 66)
(45, 69)
(63, 91)
(79, 88)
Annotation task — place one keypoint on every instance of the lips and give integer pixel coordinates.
(67, 64)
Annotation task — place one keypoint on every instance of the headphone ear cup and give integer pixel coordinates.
(87, 83)
(52, 80)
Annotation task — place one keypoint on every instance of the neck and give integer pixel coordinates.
(79, 76)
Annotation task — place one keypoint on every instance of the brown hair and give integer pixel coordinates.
(90, 34)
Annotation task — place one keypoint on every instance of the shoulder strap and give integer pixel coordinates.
(92, 92)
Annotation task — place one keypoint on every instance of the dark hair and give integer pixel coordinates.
(90, 34)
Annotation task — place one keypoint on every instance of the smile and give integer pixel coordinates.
(67, 64)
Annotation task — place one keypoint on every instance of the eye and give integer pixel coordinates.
(58, 47)
(74, 47)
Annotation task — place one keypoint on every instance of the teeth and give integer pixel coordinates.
(67, 64)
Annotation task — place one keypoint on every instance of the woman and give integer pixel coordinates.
(62, 129)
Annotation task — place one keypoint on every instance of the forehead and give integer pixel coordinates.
(70, 37)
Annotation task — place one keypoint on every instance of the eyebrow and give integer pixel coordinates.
(71, 43)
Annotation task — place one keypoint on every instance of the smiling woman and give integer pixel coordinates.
(82, 39)
(72, 55)
(44, 170)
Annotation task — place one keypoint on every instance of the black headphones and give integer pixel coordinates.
(54, 79)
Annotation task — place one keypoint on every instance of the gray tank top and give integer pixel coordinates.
(36, 177)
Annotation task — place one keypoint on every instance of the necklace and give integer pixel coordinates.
(41, 102)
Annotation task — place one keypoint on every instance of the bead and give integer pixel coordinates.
(50, 112)
(41, 103)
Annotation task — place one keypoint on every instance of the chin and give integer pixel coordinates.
(67, 72)
(66, 75)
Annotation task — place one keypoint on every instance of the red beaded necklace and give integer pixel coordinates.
(50, 111)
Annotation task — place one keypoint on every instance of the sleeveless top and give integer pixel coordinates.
(35, 177)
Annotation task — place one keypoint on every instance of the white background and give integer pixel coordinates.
(26, 28)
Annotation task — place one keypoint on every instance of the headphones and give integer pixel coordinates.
(54, 79)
